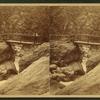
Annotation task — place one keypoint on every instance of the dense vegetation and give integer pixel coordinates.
(69, 20)
(24, 20)
(50, 20)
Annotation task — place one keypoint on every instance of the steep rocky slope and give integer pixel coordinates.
(35, 54)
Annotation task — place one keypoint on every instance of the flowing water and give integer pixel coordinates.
(16, 62)
(17, 48)
(85, 49)
(66, 83)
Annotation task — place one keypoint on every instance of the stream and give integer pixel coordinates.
(17, 48)
(85, 49)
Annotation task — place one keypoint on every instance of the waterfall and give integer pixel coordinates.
(17, 48)
(85, 49)
(16, 62)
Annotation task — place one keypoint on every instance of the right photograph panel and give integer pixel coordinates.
(75, 50)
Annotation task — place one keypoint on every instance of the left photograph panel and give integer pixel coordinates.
(24, 50)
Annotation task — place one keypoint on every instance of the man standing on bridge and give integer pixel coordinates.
(36, 35)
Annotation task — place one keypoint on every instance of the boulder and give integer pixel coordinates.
(92, 62)
(53, 67)
(73, 70)
(62, 53)
(7, 69)
(73, 67)
(6, 52)
(68, 73)
(34, 80)
(26, 60)
(59, 77)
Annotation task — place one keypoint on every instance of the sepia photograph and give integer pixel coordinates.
(49, 50)
(24, 50)
(75, 50)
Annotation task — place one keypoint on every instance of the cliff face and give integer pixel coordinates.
(6, 52)
(62, 53)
